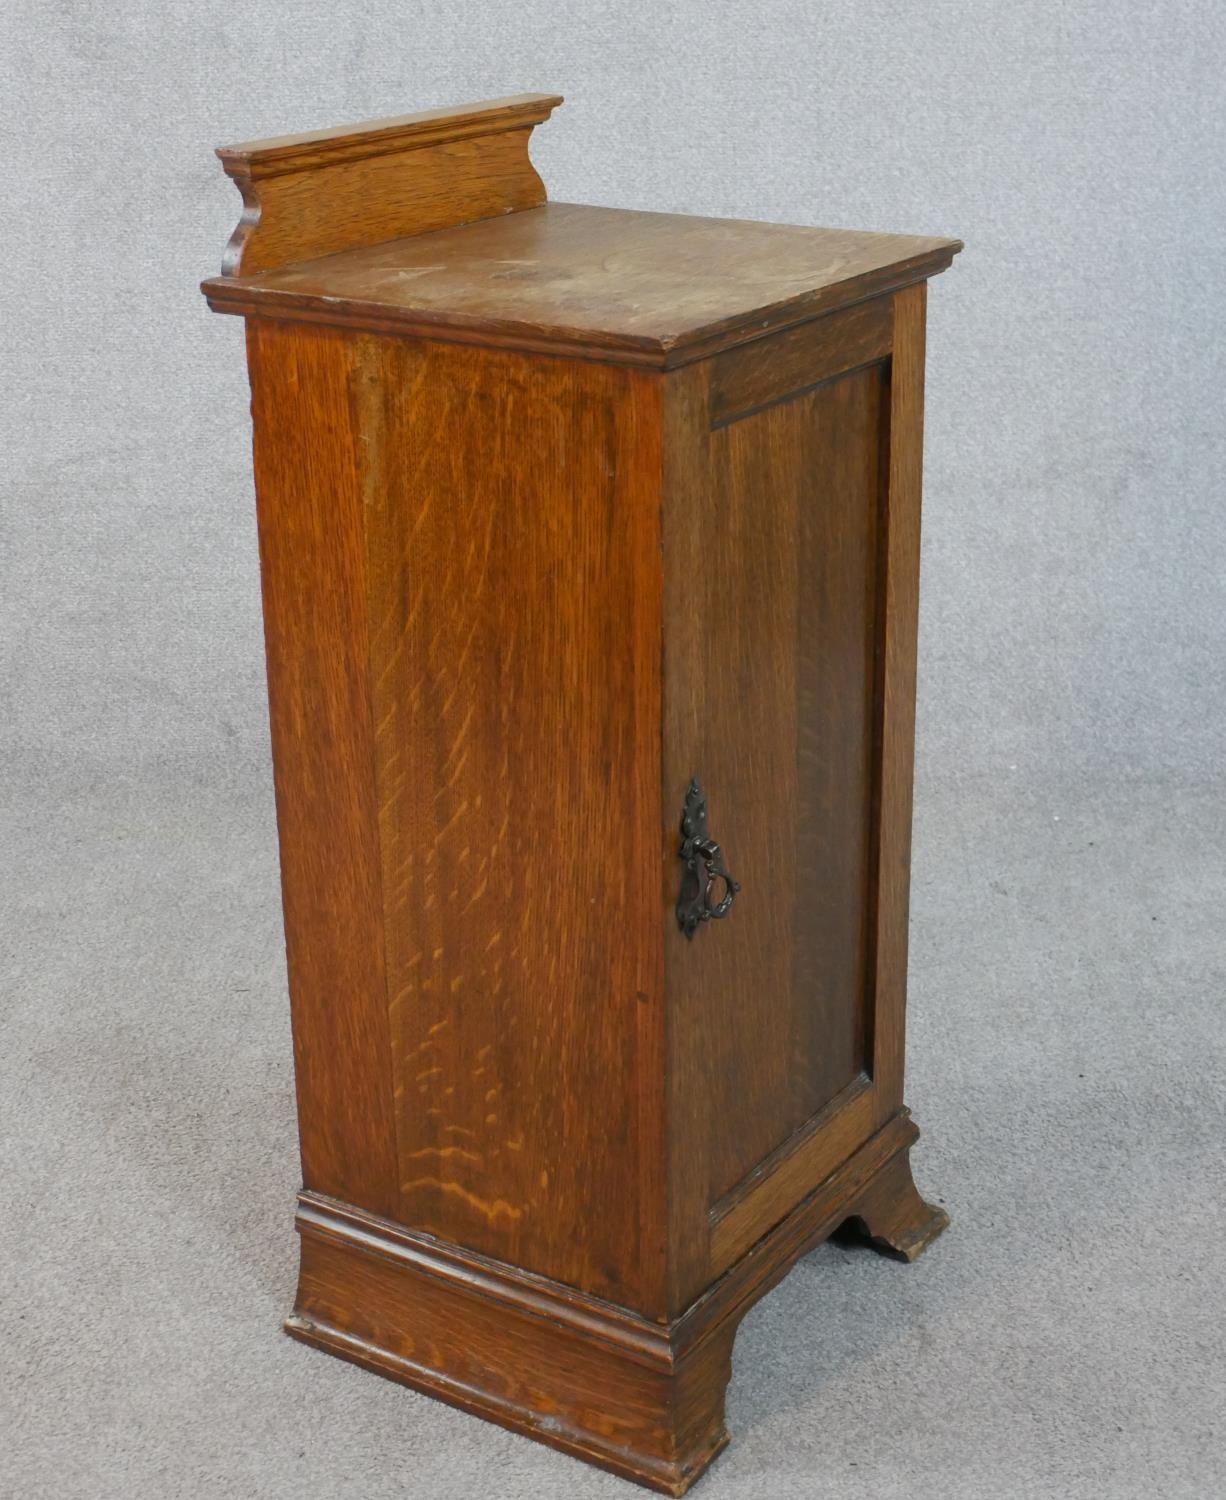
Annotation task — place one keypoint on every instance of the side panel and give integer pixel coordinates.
(788, 571)
(313, 566)
(513, 538)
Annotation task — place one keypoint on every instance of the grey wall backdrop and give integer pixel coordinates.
(1068, 964)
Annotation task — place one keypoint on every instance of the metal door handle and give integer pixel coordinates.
(704, 868)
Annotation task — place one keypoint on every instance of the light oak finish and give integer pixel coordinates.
(317, 642)
(530, 649)
(614, 284)
(330, 190)
(558, 511)
(642, 1398)
(754, 376)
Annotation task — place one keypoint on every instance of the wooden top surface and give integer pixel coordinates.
(645, 288)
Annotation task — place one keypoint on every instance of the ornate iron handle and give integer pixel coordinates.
(704, 868)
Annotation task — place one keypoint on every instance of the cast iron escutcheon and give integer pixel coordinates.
(704, 866)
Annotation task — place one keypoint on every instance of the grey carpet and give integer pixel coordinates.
(1064, 1339)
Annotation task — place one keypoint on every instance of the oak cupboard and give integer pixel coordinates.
(589, 543)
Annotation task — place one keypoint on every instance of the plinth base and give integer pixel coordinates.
(643, 1399)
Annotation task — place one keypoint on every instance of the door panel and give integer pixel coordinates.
(772, 543)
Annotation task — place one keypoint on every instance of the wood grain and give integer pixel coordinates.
(779, 1181)
(771, 369)
(520, 1351)
(770, 563)
(903, 444)
(327, 191)
(310, 149)
(891, 1215)
(513, 542)
(612, 284)
(813, 1219)
(642, 1398)
(557, 511)
(316, 629)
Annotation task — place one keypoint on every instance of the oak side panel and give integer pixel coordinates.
(514, 543)
(313, 564)
(896, 691)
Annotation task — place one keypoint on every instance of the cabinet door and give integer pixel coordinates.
(777, 561)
